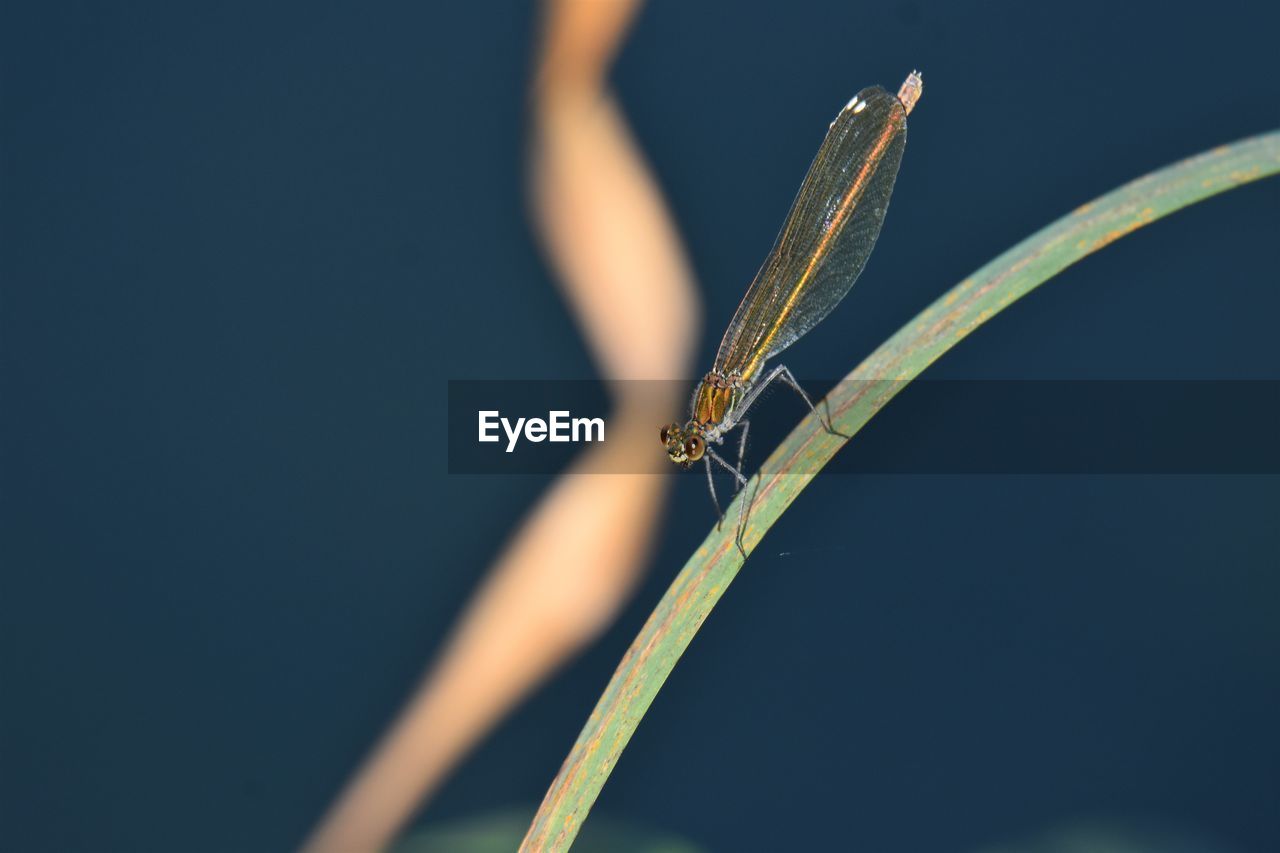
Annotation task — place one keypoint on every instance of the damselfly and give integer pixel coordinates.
(822, 248)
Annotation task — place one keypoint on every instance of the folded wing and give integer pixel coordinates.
(827, 237)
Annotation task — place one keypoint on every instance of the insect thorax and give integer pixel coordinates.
(715, 402)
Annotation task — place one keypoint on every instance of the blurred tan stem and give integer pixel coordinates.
(578, 555)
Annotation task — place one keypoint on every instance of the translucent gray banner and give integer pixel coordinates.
(930, 427)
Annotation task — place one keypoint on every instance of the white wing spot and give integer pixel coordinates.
(852, 101)
(860, 107)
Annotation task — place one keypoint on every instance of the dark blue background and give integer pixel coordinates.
(244, 245)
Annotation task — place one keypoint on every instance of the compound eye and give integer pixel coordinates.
(666, 432)
(694, 447)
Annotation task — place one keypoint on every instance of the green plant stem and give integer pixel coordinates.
(852, 403)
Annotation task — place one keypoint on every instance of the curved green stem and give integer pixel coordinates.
(852, 403)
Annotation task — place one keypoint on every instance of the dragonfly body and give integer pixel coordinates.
(823, 246)
(715, 400)
(713, 410)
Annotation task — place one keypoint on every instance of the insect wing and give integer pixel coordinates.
(827, 237)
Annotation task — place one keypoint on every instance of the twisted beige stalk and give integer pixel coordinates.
(578, 555)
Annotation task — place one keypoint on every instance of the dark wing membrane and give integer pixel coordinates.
(827, 237)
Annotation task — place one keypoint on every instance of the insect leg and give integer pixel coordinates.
(711, 486)
(783, 373)
(742, 448)
(742, 442)
(742, 506)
